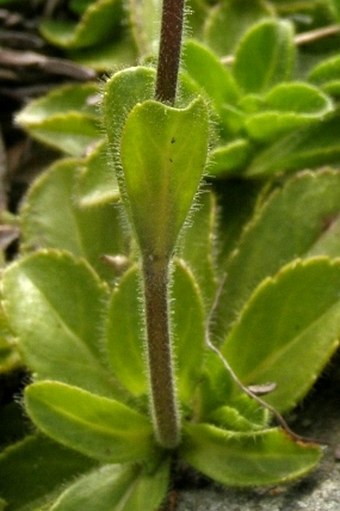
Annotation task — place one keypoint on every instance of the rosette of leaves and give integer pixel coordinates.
(273, 117)
(80, 328)
(91, 32)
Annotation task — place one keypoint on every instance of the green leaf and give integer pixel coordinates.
(197, 246)
(54, 216)
(42, 467)
(188, 331)
(109, 55)
(66, 118)
(125, 336)
(288, 106)
(127, 488)
(242, 415)
(160, 174)
(144, 18)
(99, 21)
(59, 325)
(265, 56)
(300, 308)
(122, 92)
(98, 427)
(295, 221)
(326, 75)
(247, 459)
(310, 147)
(97, 182)
(230, 159)
(216, 81)
(238, 16)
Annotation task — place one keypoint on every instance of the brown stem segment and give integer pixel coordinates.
(169, 50)
(163, 400)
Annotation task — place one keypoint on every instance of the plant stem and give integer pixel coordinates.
(163, 399)
(169, 50)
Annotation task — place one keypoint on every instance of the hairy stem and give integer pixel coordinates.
(169, 50)
(163, 400)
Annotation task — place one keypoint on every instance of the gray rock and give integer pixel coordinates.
(319, 491)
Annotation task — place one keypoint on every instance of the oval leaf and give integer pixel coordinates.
(288, 106)
(99, 21)
(216, 81)
(309, 147)
(58, 324)
(295, 221)
(125, 337)
(54, 216)
(238, 16)
(160, 174)
(247, 459)
(127, 488)
(265, 55)
(43, 467)
(101, 428)
(300, 308)
(66, 118)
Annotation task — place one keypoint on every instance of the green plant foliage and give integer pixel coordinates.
(96, 182)
(50, 219)
(98, 427)
(296, 317)
(327, 75)
(125, 337)
(309, 147)
(265, 56)
(66, 118)
(288, 107)
(170, 265)
(217, 81)
(42, 467)
(98, 21)
(243, 459)
(129, 488)
(66, 331)
(292, 220)
(154, 151)
(238, 16)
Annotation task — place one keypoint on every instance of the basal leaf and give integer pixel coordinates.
(59, 325)
(188, 331)
(144, 18)
(66, 118)
(288, 106)
(265, 56)
(300, 308)
(54, 214)
(160, 174)
(125, 336)
(100, 19)
(238, 16)
(42, 467)
(247, 459)
(197, 246)
(109, 55)
(310, 147)
(216, 81)
(326, 75)
(127, 488)
(98, 427)
(97, 181)
(295, 221)
(230, 159)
